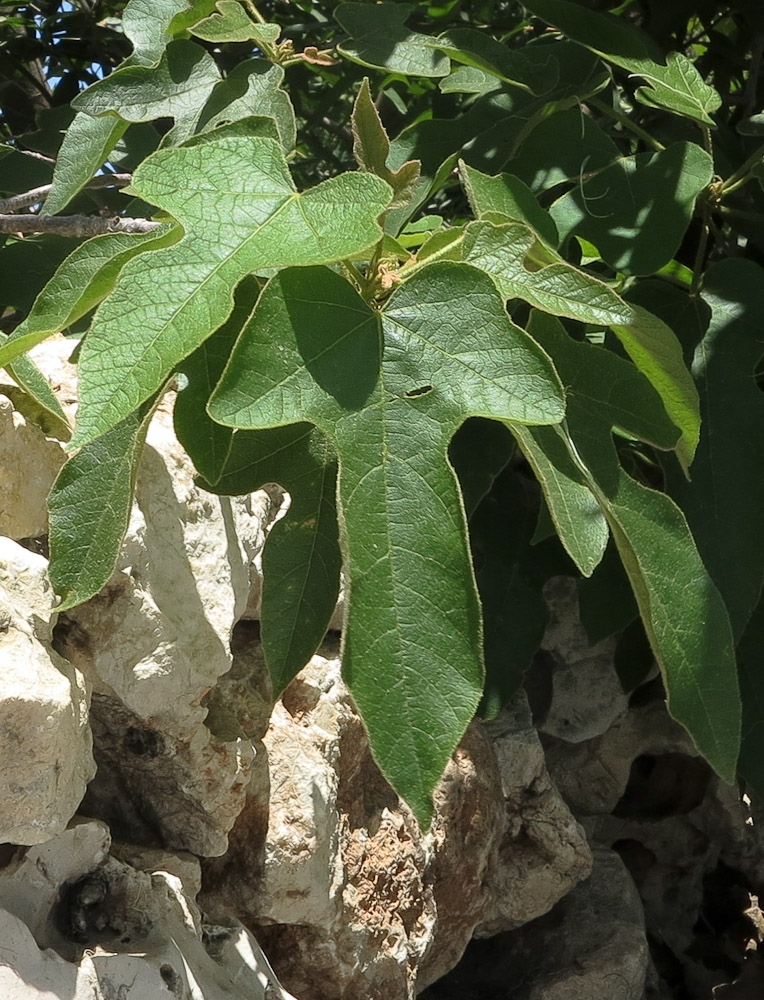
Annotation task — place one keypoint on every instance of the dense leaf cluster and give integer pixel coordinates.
(479, 284)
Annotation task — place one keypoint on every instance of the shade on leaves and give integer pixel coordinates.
(682, 610)
(673, 84)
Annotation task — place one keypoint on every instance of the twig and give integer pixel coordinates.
(74, 225)
(17, 201)
(37, 156)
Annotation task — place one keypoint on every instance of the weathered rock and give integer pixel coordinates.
(592, 775)
(29, 464)
(337, 878)
(155, 641)
(79, 924)
(543, 853)
(45, 743)
(583, 695)
(590, 946)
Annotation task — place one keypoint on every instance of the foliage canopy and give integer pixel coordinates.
(479, 284)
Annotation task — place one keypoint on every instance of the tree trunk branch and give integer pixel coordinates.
(17, 201)
(74, 225)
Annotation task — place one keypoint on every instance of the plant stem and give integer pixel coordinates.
(17, 201)
(741, 175)
(624, 120)
(254, 13)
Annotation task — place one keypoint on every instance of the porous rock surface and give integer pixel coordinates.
(46, 757)
(79, 923)
(346, 892)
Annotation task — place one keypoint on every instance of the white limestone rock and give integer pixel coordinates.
(346, 892)
(29, 464)
(543, 853)
(78, 924)
(154, 643)
(46, 756)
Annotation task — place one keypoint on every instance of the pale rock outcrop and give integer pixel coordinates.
(591, 946)
(29, 464)
(46, 756)
(77, 923)
(155, 641)
(543, 853)
(584, 696)
(339, 882)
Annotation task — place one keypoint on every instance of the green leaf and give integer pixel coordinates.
(86, 276)
(251, 88)
(208, 443)
(177, 88)
(302, 560)
(38, 402)
(559, 288)
(240, 212)
(514, 612)
(563, 147)
(656, 351)
(576, 514)
(507, 195)
(371, 148)
(90, 509)
(87, 143)
(606, 601)
(152, 24)
(636, 210)
(379, 38)
(724, 500)
(231, 23)
(477, 49)
(674, 86)
(682, 611)
(678, 87)
(469, 80)
(312, 352)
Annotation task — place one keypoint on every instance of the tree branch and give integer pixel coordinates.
(74, 225)
(17, 201)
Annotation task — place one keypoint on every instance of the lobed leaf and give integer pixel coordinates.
(178, 87)
(89, 507)
(312, 352)
(371, 147)
(84, 278)
(637, 209)
(240, 212)
(674, 85)
(87, 143)
(302, 559)
(231, 23)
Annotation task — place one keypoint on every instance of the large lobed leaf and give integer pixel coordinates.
(240, 212)
(312, 351)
